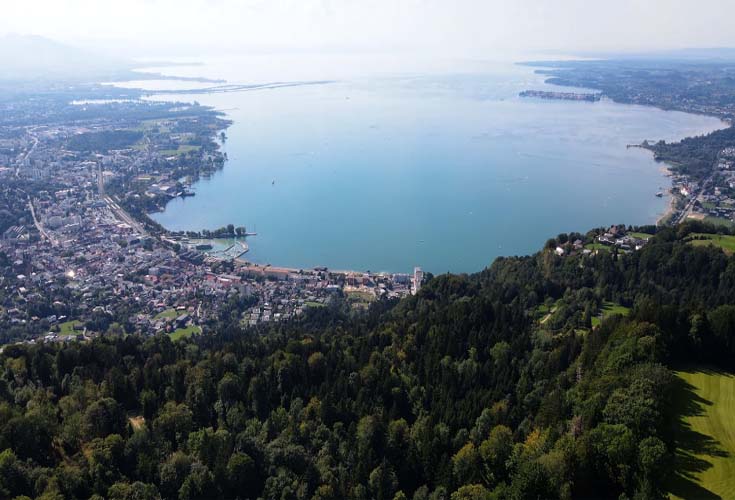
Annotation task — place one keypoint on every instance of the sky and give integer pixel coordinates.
(452, 26)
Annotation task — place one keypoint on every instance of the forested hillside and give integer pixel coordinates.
(511, 383)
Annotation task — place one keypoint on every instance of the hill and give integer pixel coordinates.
(484, 386)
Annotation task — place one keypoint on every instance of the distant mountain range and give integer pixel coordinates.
(28, 57)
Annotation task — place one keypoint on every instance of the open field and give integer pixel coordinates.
(705, 435)
(314, 304)
(188, 331)
(67, 328)
(597, 246)
(641, 236)
(547, 311)
(608, 309)
(724, 241)
(168, 313)
(182, 149)
(719, 221)
(360, 296)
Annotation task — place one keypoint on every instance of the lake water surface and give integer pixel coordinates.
(444, 169)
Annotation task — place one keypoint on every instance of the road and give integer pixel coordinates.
(40, 228)
(124, 216)
(28, 153)
(693, 199)
(100, 181)
(114, 207)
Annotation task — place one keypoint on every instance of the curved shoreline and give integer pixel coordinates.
(549, 77)
(658, 217)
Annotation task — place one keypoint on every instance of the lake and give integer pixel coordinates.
(442, 167)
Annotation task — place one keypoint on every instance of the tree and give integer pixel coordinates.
(615, 448)
(174, 422)
(198, 484)
(173, 472)
(383, 482)
(242, 475)
(654, 460)
(134, 491)
(495, 452)
(466, 464)
(29, 437)
(104, 417)
(149, 404)
(472, 492)
(229, 388)
(13, 480)
(530, 482)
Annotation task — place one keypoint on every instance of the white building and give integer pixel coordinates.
(418, 278)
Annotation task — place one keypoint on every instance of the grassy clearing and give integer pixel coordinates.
(361, 296)
(168, 313)
(705, 435)
(67, 328)
(597, 246)
(136, 422)
(543, 309)
(182, 333)
(719, 221)
(608, 309)
(641, 236)
(155, 123)
(309, 303)
(181, 150)
(724, 241)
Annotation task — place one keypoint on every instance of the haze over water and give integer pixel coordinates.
(387, 169)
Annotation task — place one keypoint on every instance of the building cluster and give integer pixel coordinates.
(713, 198)
(81, 265)
(619, 237)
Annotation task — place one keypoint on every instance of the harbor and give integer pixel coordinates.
(219, 248)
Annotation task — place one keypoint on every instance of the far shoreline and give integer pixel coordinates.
(659, 219)
(665, 168)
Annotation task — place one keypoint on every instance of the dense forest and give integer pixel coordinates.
(503, 384)
(694, 155)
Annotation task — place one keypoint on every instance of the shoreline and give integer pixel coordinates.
(660, 218)
(665, 168)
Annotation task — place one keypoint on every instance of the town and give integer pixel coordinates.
(83, 259)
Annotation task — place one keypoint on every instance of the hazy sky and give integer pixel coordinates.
(462, 26)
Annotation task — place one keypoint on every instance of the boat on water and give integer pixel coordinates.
(660, 194)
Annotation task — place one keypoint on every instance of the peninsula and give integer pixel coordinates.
(702, 168)
(565, 96)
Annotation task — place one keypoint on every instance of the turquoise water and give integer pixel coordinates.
(443, 170)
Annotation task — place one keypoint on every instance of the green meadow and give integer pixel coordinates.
(705, 435)
(724, 241)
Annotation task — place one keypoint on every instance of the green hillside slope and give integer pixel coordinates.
(705, 436)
